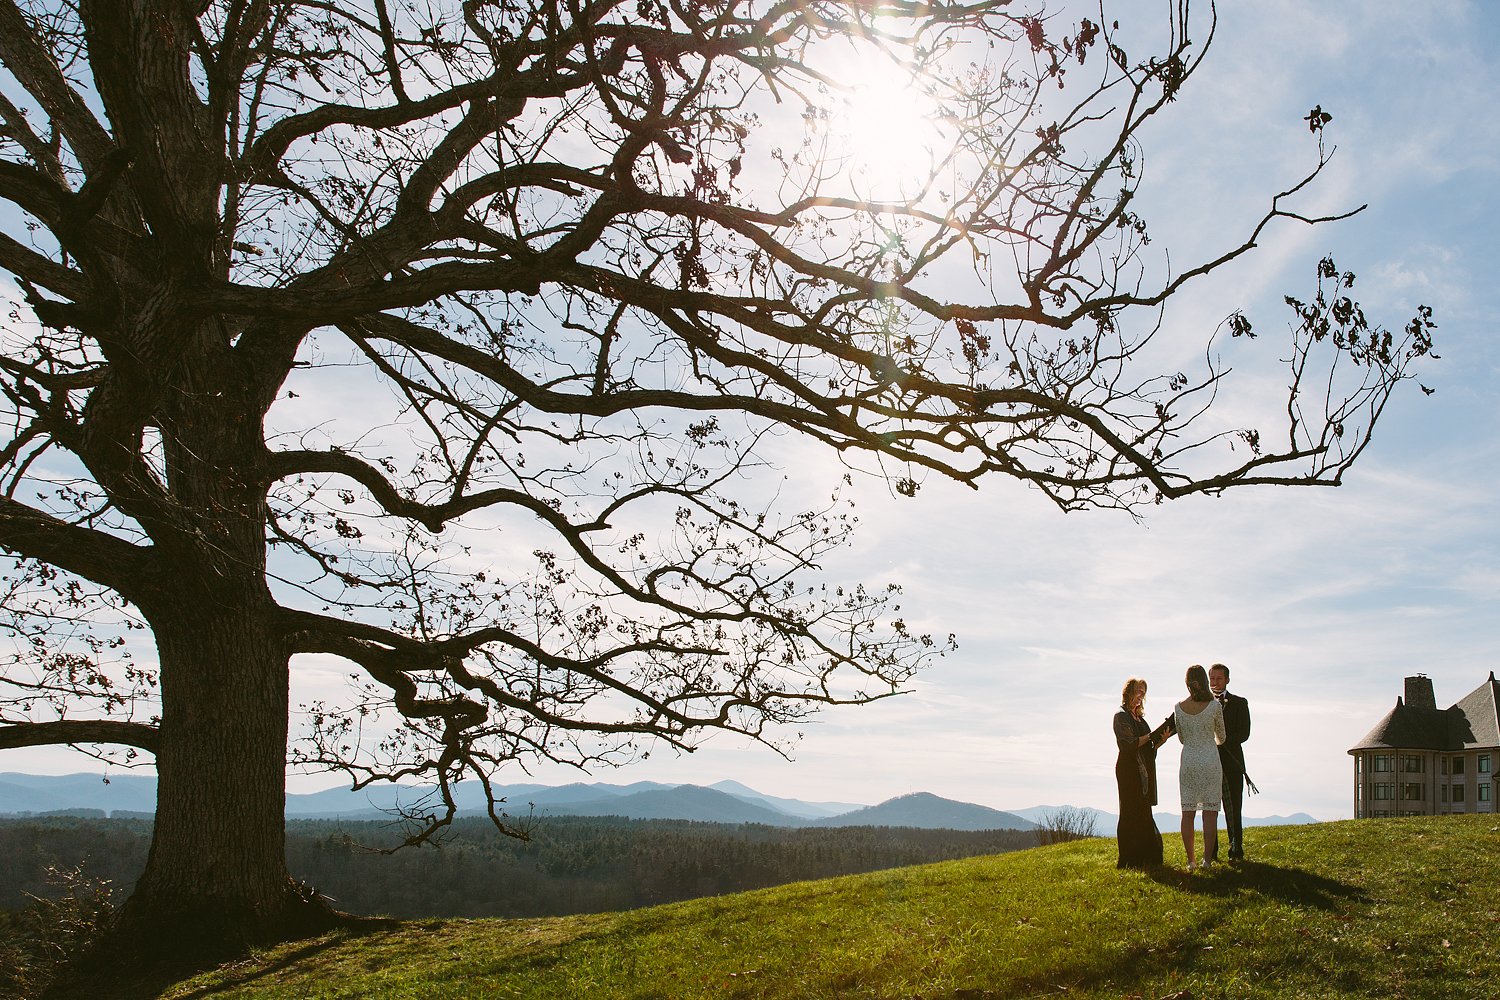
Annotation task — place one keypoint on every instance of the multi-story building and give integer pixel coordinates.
(1421, 760)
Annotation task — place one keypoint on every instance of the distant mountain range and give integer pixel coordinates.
(33, 793)
(1167, 822)
(722, 802)
(928, 811)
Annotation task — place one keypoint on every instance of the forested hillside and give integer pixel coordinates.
(570, 864)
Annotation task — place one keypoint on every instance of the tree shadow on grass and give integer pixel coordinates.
(1141, 971)
(251, 971)
(1148, 969)
(150, 983)
(1295, 886)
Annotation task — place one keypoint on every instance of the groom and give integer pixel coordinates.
(1232, 755)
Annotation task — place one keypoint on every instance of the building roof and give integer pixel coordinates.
(1477, 716)
(1411, 728)
(1473, 721)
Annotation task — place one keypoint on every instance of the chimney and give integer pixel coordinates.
(1419, 692)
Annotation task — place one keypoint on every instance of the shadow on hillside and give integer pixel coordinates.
(1144, 970)
(152, 983)
(251, 971)
(1286, 885)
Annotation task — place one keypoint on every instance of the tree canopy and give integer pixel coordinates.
(449, 341)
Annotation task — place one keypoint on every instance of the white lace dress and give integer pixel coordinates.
(1200, 778)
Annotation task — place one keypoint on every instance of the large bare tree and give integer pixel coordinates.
(448, 341)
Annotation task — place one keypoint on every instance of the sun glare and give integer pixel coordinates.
(893, 135)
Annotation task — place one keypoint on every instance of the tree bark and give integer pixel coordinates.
(216, 878)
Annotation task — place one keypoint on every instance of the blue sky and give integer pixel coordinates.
(1320, 600)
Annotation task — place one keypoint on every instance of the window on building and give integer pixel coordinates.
(1484, 763)
(1458, 793)
(1445, 793)
(1384, 790)
(1445, 765)
(1484, 793)
(1458, 765)
(1413, 790)
(1413, 764)
(1382, 762)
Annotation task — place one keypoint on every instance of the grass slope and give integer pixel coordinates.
(1390, 908)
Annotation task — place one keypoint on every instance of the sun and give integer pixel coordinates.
(892, 135)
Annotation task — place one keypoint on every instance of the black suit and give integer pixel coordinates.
(1232, 757)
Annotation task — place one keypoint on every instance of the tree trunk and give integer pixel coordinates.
(216, 877)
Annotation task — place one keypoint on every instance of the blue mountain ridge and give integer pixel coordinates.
(691, 802)
(925, 810)
(723, 802)
(1167, 822)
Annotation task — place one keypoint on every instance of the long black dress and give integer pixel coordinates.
(1135, 774)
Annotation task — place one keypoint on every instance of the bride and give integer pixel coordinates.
(1199, 721)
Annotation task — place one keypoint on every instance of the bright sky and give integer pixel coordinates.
(1321, 601)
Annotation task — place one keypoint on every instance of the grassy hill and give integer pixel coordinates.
(1392, 908)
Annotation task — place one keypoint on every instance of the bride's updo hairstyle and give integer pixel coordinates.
(1197, 683)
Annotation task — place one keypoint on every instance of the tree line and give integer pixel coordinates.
(568, 864)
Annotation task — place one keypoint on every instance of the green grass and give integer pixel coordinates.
(1391, 908)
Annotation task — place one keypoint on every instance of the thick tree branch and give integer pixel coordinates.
(126, 568)
(32, 64)
(65, 732)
